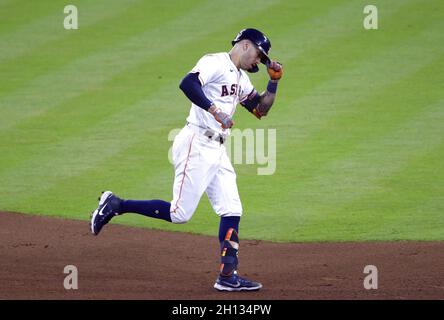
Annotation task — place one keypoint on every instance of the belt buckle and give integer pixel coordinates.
(214, 136)
(209, 134)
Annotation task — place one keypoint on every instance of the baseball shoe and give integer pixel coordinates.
(236, 283)
(108, 208)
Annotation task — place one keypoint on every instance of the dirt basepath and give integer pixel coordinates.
(132, 263)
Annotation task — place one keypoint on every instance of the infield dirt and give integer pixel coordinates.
(134, 263)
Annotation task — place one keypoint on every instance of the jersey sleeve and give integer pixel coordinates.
(209, 69)
(248, 90)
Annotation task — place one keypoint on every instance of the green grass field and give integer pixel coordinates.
(359, 115)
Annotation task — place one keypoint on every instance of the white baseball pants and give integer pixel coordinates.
(202, 165)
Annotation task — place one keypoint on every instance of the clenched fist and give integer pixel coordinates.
(221, 117)
(275, 70)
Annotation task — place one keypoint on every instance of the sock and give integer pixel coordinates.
(158, 209)
(227, 223)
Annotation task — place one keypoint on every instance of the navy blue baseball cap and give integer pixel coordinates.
(259, 40)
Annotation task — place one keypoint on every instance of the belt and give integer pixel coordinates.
(210, 134)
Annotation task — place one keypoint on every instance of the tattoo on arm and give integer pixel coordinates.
(265, 103)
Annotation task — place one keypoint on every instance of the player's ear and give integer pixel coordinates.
(245, 45)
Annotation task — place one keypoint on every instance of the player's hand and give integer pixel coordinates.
(221, 117)
(275, 70)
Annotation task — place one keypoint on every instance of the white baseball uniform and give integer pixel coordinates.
(200, 159)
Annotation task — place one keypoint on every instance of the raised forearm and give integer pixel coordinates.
(267, 99)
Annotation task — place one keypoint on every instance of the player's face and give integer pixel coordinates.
(250, 57)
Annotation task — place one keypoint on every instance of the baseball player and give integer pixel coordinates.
(216, 84)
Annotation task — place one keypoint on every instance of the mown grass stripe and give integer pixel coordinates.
(66, 154)
(343, 187)
(49, 28)
(15, 14)
(381, 69)
(318, 186)
(313, 108)
(101, 35)
(394, 71)
(93, 70)
(339, 131)
(411, 201)
(313, 59)
(75, 115)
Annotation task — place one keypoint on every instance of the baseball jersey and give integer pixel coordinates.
(223, 84)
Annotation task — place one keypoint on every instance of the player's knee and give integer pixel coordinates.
(180, 220)
(180, 216)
